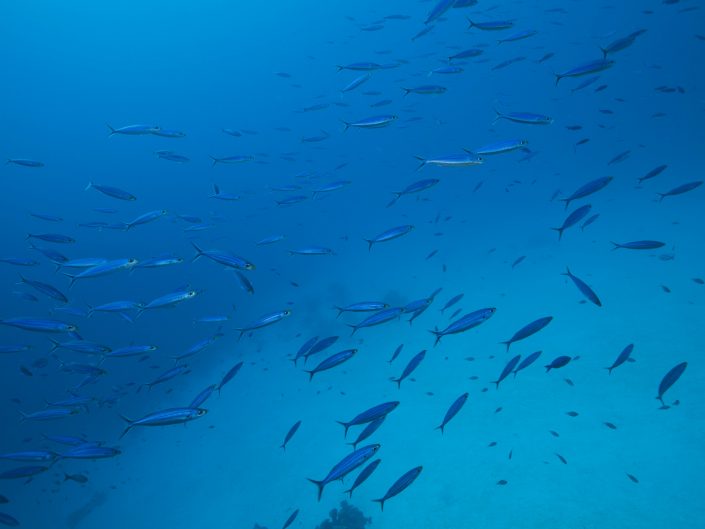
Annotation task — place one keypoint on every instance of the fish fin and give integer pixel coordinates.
(54, 345)
(470, 22)
(423, 162)
(662, 195)
(398, 381)
(496, 383)
(89, 186)
(558, 78)
(406, 91)
(560, 232)
(347, 125)
(199, 252)
(381, 503)
(604, 52)
(616, 245)
(310, 374)
(499, 115)
(112, 130)
(369, 244)
(567, 272)
(320, 485)
(507, 343)
(438, 336)
(215, 160)
(345, 425)
(441, 427)
(609, 370)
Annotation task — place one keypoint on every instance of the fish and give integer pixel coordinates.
(113, 192)
(395, 354)
(452, 301)
(500, 147)
(264, 321)
(400, 485)
(572, 219)
(653, 173)
(332, 361)
(290, 519)
(345, 466)
(352, 85)
(588, 189)
(523, 117)
(679, 190)
(453, 410)
(362, 306)
(131, 350)
(426, 90)
(164, 418)
(623, 357)
(320, 345)
(586, 68)
(508, 368)
(363, 475)
(312, 250)
(367, 431)
(289, 434)
(669, 379)
(410, 367)
(374, 413)
(528, 330)
(360, 66)
(470, 53)
(134, 130)
(39, 325)
(389, 235)
(19, 261)
(44, 288)
(203, 396)
(230, 375)
(374, 122)
(382, 316)
(31, 456)
(639, 245)
(224, 258)
(619, 157)
(91, 452)
(146, 218)
(438, 10)
(416, 187)
(492, 25)
(108, 267)
(584, 288)
(168, 375)
(465, 323)
(558, 362)
(621, 43)
(78, 478)
(520, 35)
(452, 160)
(24, 162)
(236, 159)
(52, 237)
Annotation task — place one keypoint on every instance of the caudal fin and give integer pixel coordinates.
(199, 252)
(560, 232)
(507, 343)
(130, 424)
(112, 130)
(381, 502)
(346, 426)
(320, 485)
(423, 162)
(438, 334)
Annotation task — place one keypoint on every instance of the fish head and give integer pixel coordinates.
(250, 266)
(200, 412)
(191, 294)
(131, 262)
(286, 312)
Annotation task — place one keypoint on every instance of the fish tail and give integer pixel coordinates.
(496, 383)
(508, 343)
(394, 200)
(438, 336)
(423, 162)
(567, 272)
(604, 52)
(558, 78)
(470, 22)
(441, 428)
(616, 245)
(215, 160)
(347, 125)
(199, 252)
(23, 415)
(112, 130)
(320, 485)
(560, 232)
(662, 196)
(349, 491)
(406, 91)
(369, 244)
(345, 425)
(353, 327)
(499, 115)
(548, 368)
(310, 374)
(381, 502)
(398, 381)
(609, 370)
(90, 185)
(54, 345)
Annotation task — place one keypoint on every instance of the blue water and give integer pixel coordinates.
(534, 453)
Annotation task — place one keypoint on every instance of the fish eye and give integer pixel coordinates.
(191, 293)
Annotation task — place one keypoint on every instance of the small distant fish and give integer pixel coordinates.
(453, 410)
(585, 69)
(558, 362)
(679, 190)
(623, 357)
(290, 433)
(584, 288)
(24, 162)
(639, 245)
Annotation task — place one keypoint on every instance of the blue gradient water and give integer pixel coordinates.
(68, 69)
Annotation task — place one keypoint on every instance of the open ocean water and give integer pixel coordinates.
(422, 167)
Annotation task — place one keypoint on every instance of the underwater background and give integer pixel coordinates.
(278, 142)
